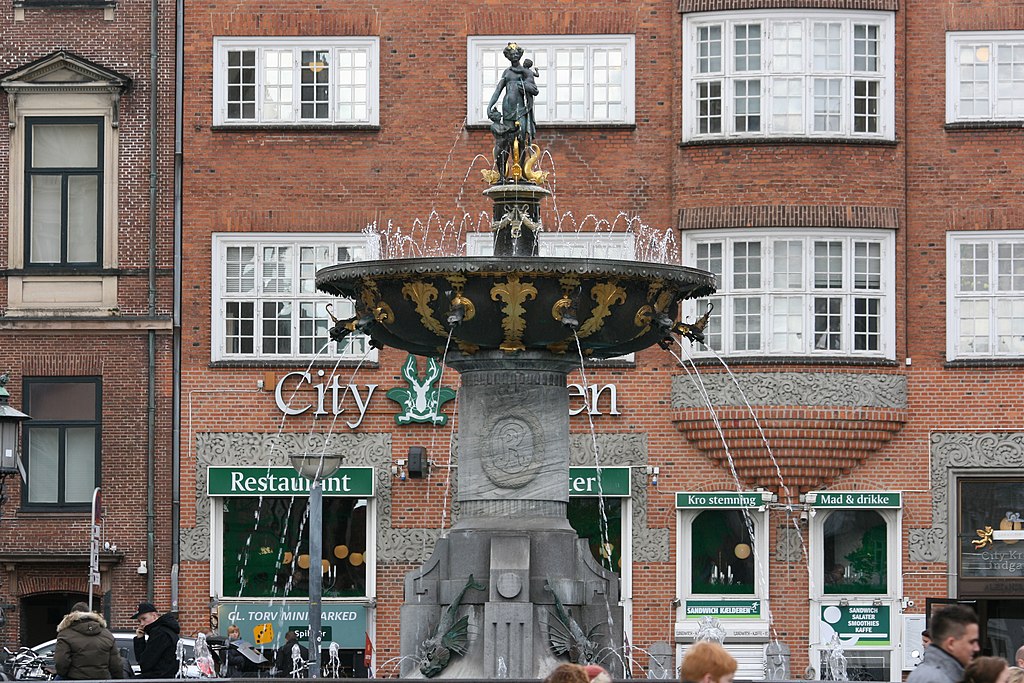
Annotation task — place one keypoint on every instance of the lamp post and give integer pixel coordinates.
(10, 420)
(315, 467)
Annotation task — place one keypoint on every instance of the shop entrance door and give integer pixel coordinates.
(1002, 626)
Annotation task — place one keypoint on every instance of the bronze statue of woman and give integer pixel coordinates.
(515, 119)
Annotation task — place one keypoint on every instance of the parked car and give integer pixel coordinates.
(43, 655)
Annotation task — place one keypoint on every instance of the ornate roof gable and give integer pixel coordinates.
(63, 71)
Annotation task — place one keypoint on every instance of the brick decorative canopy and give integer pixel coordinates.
(811, 446)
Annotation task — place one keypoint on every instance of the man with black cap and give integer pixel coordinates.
(156, 642)
(85, 648)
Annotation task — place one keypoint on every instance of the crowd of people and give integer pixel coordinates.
(86, 650)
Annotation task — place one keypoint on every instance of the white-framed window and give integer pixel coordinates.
(296, 81)
(985, 291)
(856, 581)
(265, 301)
(722, 572)
(582, 79)
(984, 76)
(807, 292)
(807, 73)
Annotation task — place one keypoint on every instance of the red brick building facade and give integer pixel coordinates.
(86, 307)
(848, 169)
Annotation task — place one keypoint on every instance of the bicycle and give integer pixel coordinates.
(26, 664)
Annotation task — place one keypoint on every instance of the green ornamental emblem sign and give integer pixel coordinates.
(421, 401)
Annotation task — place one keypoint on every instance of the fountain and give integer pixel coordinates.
(511, 590)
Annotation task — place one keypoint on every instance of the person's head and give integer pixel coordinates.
(80, 607)
(597, 674)
(146, 614)
(291, 635)
(568, 673)
(955, 630)
(707, 662)
(234, 631)
(986, 670)
(1020, 656)
(926, 638)
(1015, 674)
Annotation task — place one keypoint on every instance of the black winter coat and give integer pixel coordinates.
(157, 652)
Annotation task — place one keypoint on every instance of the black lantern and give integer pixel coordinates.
(10, 421)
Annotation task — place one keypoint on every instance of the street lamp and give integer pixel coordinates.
(315, 467)
(10, 420)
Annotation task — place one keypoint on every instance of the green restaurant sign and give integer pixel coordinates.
(746, 499)
(264, 625)
(854, 499)
(350, 482)
(595, 481)
(723, 609)
(867, 624)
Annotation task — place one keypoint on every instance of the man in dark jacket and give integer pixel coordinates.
(85, 648)
(954, 633)
(286, 663)
(156, 642)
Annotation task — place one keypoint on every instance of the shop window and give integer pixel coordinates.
(61, 441)
(722, 558)
(599, 522)
(269, 557)
(856, 552)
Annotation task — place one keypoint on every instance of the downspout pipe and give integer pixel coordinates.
(154, 55)
(179, 66)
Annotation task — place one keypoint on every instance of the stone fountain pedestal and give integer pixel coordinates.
(512, 536)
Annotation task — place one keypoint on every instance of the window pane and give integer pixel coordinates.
(788, 324)
(65, 145)
(856, 552)
(278, 85)
(1010, 81)
(973, 78)
(63, 401)
(277, 270)
(747, 105)
(709, 107)
(787, 105)
(241, 84)
(827, 46)
(79, 464)
(313, 327)
(83, 218)
(709, 49)
(865, 47)
(975, 326)
(1010, 267)
(1010, 326)
(828, 101)
(828, 265)
(240, 327)
(828, 321)
(746, 322)
(746, 265)
(867, 265)
(277, 327)
(315, 79)
(240, 270)
(867, 321)
(722, 557)
(43, 454)
(45, 219)
(974, 267)
(266, 547)
(787, 47)
(787, 264)
(747, 47)
(865, 106)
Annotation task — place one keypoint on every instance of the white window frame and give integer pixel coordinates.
(770, 296)
(995, 295)
(772, 69)
(894, 590)
(481, 79)
(987, 46)
(342, 308)
(368, 45)
(746, 637)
